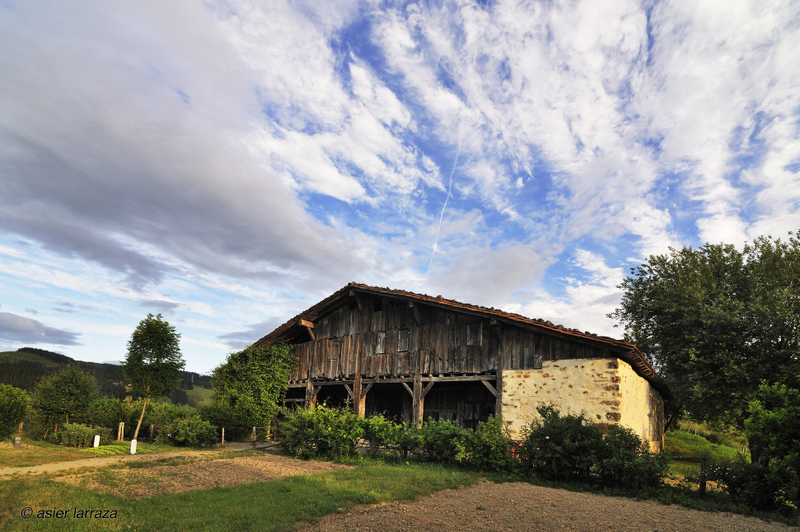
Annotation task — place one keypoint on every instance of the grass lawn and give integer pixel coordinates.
(274, 505)
(682, 443)
(46, 453)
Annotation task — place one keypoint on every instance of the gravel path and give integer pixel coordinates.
(521, 506)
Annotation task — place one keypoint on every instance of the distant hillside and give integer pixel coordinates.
(25, 367)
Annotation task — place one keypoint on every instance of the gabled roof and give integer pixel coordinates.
(627, 352)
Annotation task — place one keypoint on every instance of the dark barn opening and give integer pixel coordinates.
(466, 403)
(391, 400)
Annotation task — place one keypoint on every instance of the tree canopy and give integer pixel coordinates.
(14, 406)
(153, 364)
(249, 386)
(69, 393)
(717, 321)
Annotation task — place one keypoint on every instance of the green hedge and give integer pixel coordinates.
(79, 435)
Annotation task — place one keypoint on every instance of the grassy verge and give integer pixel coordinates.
(46, 453)
(274, 505)
(682, 443)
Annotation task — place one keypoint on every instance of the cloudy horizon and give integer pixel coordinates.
(230, 163)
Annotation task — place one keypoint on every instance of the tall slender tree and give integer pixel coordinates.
(154, 362)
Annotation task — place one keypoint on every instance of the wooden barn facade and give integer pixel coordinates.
(413, 357)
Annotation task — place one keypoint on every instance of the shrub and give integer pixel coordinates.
(441, 441)
(624, 461)
(14, 406)
(409, 440)
(752, 485)
(193, 432)
(322, 432)
(488, 448)
(380, 432)
(560, 447)
(79, 435)
(164, 416)
(69, 393)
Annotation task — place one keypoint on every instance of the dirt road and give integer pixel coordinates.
(521, 506)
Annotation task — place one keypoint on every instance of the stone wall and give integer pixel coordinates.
(607, 390)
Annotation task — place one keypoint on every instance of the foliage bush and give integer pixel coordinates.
(322, 432)
(249, 387)
(380, 432)
(441, 441)
(624, 461)
(14, 406)
(752, 485)
(79, 435)
(165, 415)
(69, 393)
(192, 432)
(560, 447)
(488, 448)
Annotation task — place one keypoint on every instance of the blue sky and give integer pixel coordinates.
(228, 164)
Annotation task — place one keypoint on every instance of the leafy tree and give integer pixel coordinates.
(249, 387)
(70, 392)
(773, 428)
(14, 406)
(154, 363)
(717, 321)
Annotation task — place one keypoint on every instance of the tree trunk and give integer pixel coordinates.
(136, 434)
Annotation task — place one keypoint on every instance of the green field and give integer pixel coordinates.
(683, 443)
(274, 505)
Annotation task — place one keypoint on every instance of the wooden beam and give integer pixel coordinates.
(309, 327)
(349, 390)
(400, 380)
(428, 388)
(358, 300)
(490, 387)
(408, 389)
(365, 390)
(415, 312)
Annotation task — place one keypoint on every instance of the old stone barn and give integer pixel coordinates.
(414, 357)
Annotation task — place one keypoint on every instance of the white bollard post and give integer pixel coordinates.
(97, 440)
(133, 446)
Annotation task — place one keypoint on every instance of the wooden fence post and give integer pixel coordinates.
(702, 489)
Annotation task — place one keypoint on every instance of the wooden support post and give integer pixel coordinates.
(223, 435)
(121, 431)
(151, 433)
(311, 394)
(501, 365)
(254, 435)
(417, 401)
(359, 397)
